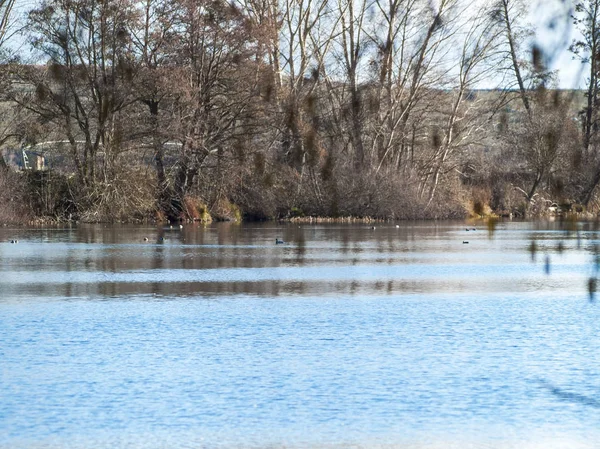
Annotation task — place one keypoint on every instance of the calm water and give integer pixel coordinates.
(216, 337)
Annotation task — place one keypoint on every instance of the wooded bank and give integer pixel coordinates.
(198, 110)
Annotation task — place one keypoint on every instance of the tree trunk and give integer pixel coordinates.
(164, 194)
(535, 185)
(515, 61)
(588, 193)
(592, 91)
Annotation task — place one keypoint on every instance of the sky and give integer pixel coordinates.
(554, 33)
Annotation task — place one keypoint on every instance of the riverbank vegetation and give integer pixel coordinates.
(276, 109)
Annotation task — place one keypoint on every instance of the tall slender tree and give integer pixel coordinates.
(6, 21)
(154, 37)
(587, 49)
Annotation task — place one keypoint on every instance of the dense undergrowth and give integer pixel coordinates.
(28, 197)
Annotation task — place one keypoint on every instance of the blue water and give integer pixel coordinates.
(344, 337)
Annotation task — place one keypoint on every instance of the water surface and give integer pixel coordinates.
(344, 336)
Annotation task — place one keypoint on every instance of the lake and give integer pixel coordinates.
(342, 337)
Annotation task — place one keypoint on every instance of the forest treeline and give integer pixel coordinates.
(192, 109)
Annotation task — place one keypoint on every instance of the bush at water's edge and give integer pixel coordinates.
(131, 196)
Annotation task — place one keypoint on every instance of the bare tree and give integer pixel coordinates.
(410, 61)
(464, 123)
(153, 37)
(587, 20)
(6, 20)
(540, 143)
(83, 90)
(215, 81)
(302, 21)
(354, 48)
(510, 14)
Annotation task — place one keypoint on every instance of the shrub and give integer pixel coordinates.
(224, 210)
(14, 204)
(194, 209)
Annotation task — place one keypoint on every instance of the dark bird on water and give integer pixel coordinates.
(464, 242)
(14, 241)
(279, 241)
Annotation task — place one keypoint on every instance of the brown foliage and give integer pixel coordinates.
(194, 209)
(14, 206)
(129, 196)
